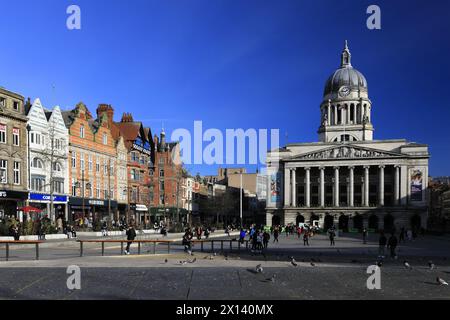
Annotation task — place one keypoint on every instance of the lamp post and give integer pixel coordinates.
(29, 160)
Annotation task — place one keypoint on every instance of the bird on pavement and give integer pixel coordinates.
(431, 265)
(441, 282)
(193, 260)
(165, 260)
(259, 268)
(313, 264)
(407, 265)
(379, 263)
(293, 262)
(271, 279)
(183, 262)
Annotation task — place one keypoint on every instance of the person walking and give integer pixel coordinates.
(131, 235)
(187, 241)
(275, 234)
(242, 236)
(392, 245)
(382, 245)
(332, 235)
(306, 239)
(266, 238)
(364, 234)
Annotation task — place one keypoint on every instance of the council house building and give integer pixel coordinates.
(348, 179)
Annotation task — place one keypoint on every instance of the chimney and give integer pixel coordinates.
(105, 109)
(127, 117)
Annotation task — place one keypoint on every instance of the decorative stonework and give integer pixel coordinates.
(346, 152)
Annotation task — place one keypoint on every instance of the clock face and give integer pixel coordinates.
(344, 91)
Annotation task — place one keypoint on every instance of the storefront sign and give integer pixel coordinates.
(141, 149)
(13, 194)
(75, 201)
(47, 197)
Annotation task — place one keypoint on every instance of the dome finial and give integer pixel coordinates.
(346, 56)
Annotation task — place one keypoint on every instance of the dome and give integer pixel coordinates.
(345, 76)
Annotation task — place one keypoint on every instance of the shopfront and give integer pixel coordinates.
(43, 202)
(10, 201)
(96, 209)
(139, 212)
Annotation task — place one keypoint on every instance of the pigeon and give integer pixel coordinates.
(193, 260)
(165, 261)
(441, 282)
(431, 265)
(271, 279)
(293, 262)
(313, 264)
(259, 268)
(211, 258)
(183, 262)
(190, 252)
(215, 254)
(407, 265)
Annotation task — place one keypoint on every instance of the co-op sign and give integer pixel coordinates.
(47, 197)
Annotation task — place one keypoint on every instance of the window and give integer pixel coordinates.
(16, 105)
(58, 186)
(37, 183)
(105, 138)
(37, 163)
(97, 165)
(105, 191)
(74, 159)
(16, 172)
(161, 173)
(97, 189)
(134, 157)
(3, 171)
(133, 174)
(161, 185)
(82, 131)
(142, 160)
(111, 168)
(105, 166)
(82, 161)
(161, 199)
(111, 193)
(16, 135)
(90, 189)
(57, 167)
(2, 133)
(2, 102)
(74, 188)
(150, 172)
(161, 160)
(90, 163)
(35, 138)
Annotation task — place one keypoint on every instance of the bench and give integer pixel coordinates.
(8, 243)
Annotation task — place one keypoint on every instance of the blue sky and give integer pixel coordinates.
(235, 63)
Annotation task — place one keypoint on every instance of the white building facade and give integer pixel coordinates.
(48, 149)
(347, 179)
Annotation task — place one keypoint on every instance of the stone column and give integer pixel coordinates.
(335, 115)
(397, 186)
(322, 186)
(366, 186)
(381, 187)
(294, 187)
(351, 186)
(287, 187)
(404, 187)
(307, 187)
(329, 114)
(336, 186)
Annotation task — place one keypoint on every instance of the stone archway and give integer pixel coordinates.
(373, 222)
(276, 220)
(389, 223)
(299, 219)
(358, 222)
(343, 223)
(328, 222)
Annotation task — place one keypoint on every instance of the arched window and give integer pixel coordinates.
(57, 167)
(37, 163)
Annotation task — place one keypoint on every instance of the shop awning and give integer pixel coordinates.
(28, 209)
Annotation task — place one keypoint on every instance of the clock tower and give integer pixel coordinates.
(346, 107)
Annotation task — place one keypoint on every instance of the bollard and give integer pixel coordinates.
(168, 247)
(7, 252)
(81, 248)
(139, 248)
(103, 248)
(212, 246)
(37, 251)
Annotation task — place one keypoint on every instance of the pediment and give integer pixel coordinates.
(347, 152)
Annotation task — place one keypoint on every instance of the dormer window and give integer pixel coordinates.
(105, 139)
(2, 102)
(82, 131)
(16, 105)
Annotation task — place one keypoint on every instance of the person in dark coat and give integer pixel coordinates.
(332, 235)
(275, 234)
(187, 240)
(131, 235)
(392, 245)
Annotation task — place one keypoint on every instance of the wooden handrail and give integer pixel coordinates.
(36, 243)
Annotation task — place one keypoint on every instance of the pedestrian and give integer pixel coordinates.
(104, 229)
(382, 245)
(206, 233)
(364, 234)
(187, 240)
(131, 235)
(299, 232)
(409, 235)
(401, 237)
(199, 233)
(266, 238)
(259, 241)
(306, 239)
(74, 233)
(275, 235)
(254, 239)
(392, 245)
(242, 236)
(332, 235)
